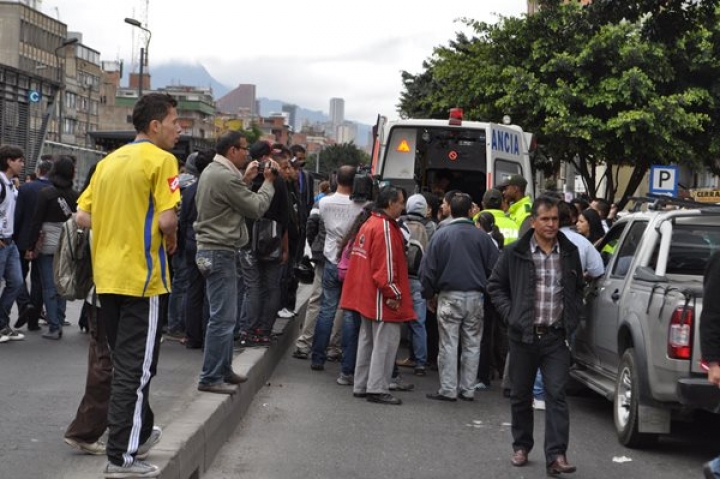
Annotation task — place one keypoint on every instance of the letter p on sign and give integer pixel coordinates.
(664, 180)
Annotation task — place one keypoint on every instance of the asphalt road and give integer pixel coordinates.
(302, 425)
(41, 384)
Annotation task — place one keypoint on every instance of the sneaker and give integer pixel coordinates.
(154, 438)
(174, 336)
(345, 380)
(405, 363)
(397, 384)
(480, 386)
(286, 313)
(538, 404)
(136, 469)
(12, 334)
(420, 371)
(299, 354)
(96, 448)
(57, 334)
(4, 338)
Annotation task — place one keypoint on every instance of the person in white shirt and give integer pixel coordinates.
(12, 162)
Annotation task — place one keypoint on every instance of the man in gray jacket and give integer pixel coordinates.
(224, 199)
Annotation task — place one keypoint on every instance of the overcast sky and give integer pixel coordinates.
(302, 52)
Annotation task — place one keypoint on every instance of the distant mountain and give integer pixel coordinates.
(194, 74)
(189, 74)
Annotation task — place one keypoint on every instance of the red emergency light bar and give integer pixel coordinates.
(456, 116)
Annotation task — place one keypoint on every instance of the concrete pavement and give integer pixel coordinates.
(43, 382)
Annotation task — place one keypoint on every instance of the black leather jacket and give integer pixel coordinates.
(511, 287)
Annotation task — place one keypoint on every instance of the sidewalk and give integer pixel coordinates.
(195, 425)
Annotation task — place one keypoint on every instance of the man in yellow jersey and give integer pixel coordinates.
(130, 205)
(513, 190)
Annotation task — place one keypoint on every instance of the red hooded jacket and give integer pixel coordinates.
(378, 272)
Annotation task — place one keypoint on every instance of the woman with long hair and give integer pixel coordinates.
(54, 206)
(590, 226)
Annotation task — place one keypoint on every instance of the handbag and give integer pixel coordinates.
(266, 240)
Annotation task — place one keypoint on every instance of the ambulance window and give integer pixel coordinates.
(504, 168)
(400, 156)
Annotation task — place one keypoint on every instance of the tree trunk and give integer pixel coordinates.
(635, 179)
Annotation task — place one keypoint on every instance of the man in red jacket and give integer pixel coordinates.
(377, 286)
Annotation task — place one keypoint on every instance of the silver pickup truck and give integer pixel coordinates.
(638, 341)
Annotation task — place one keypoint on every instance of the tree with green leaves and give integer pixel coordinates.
(335, 156)
(616, 83)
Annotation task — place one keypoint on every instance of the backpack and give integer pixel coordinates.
(416, 245)
(72, 264)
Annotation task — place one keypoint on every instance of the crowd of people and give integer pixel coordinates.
(481, 292)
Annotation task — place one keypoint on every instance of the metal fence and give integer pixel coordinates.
(85, 157)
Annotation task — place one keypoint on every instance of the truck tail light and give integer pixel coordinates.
(456, 116)
(680, 334)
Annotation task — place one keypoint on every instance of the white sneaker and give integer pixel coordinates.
(11, 334)
(4, 339)
(538, 404)
(286, 313)
(96, 448)
(144, 449)
(136, 469)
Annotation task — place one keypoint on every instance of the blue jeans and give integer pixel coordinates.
(54, 303)
(715, 467)
(332, 288)
(417, 327)
(176, 309)
(12, 274)
(539, 387)
(262, 300)
(349, 340)
(219, 268)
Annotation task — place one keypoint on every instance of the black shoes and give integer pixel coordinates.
(465, 398)
(219, 388)
(439, 397)
(317, 367)
(383, 399)
(360, 395)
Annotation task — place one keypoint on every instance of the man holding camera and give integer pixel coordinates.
(224, 199)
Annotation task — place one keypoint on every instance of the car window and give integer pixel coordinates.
(609, 242)
(691, 248)
(628, 248)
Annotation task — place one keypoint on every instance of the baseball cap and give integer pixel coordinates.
(513, 180)
(492, 199)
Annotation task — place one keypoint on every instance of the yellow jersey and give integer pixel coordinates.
(129, 189)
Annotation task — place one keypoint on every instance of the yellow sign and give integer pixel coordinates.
(706, 195)
(404, 146)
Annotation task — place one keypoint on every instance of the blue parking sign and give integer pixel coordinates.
(664, 180)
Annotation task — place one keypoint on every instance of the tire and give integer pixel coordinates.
(626, 402)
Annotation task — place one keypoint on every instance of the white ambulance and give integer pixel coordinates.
(442, 155)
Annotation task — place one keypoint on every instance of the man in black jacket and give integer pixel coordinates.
(710, 338)
(536, 288)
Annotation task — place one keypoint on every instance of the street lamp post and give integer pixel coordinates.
(143, 51)
(61, 81)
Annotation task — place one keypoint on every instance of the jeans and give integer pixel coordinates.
(715, 467)
(350, 334)
(539, 387)
(417, 327)
(219, 268)
(262, 301)
(12, 274)
(54, 303)
(332, 288)
(176, 313)
(460, 323)
(34, 297)
(196, 308)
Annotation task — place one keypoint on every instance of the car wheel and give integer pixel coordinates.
(626, 402)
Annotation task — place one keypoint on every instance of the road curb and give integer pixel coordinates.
(191, 442)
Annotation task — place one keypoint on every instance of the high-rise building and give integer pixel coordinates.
(337, 112)
(291, 110)
(31, 74)
(241, 100)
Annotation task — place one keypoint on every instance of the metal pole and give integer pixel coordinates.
(142, 62)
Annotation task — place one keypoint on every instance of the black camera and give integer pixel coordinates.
(261, 168)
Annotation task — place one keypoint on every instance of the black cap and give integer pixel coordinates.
(259, 149)
(492, 199)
